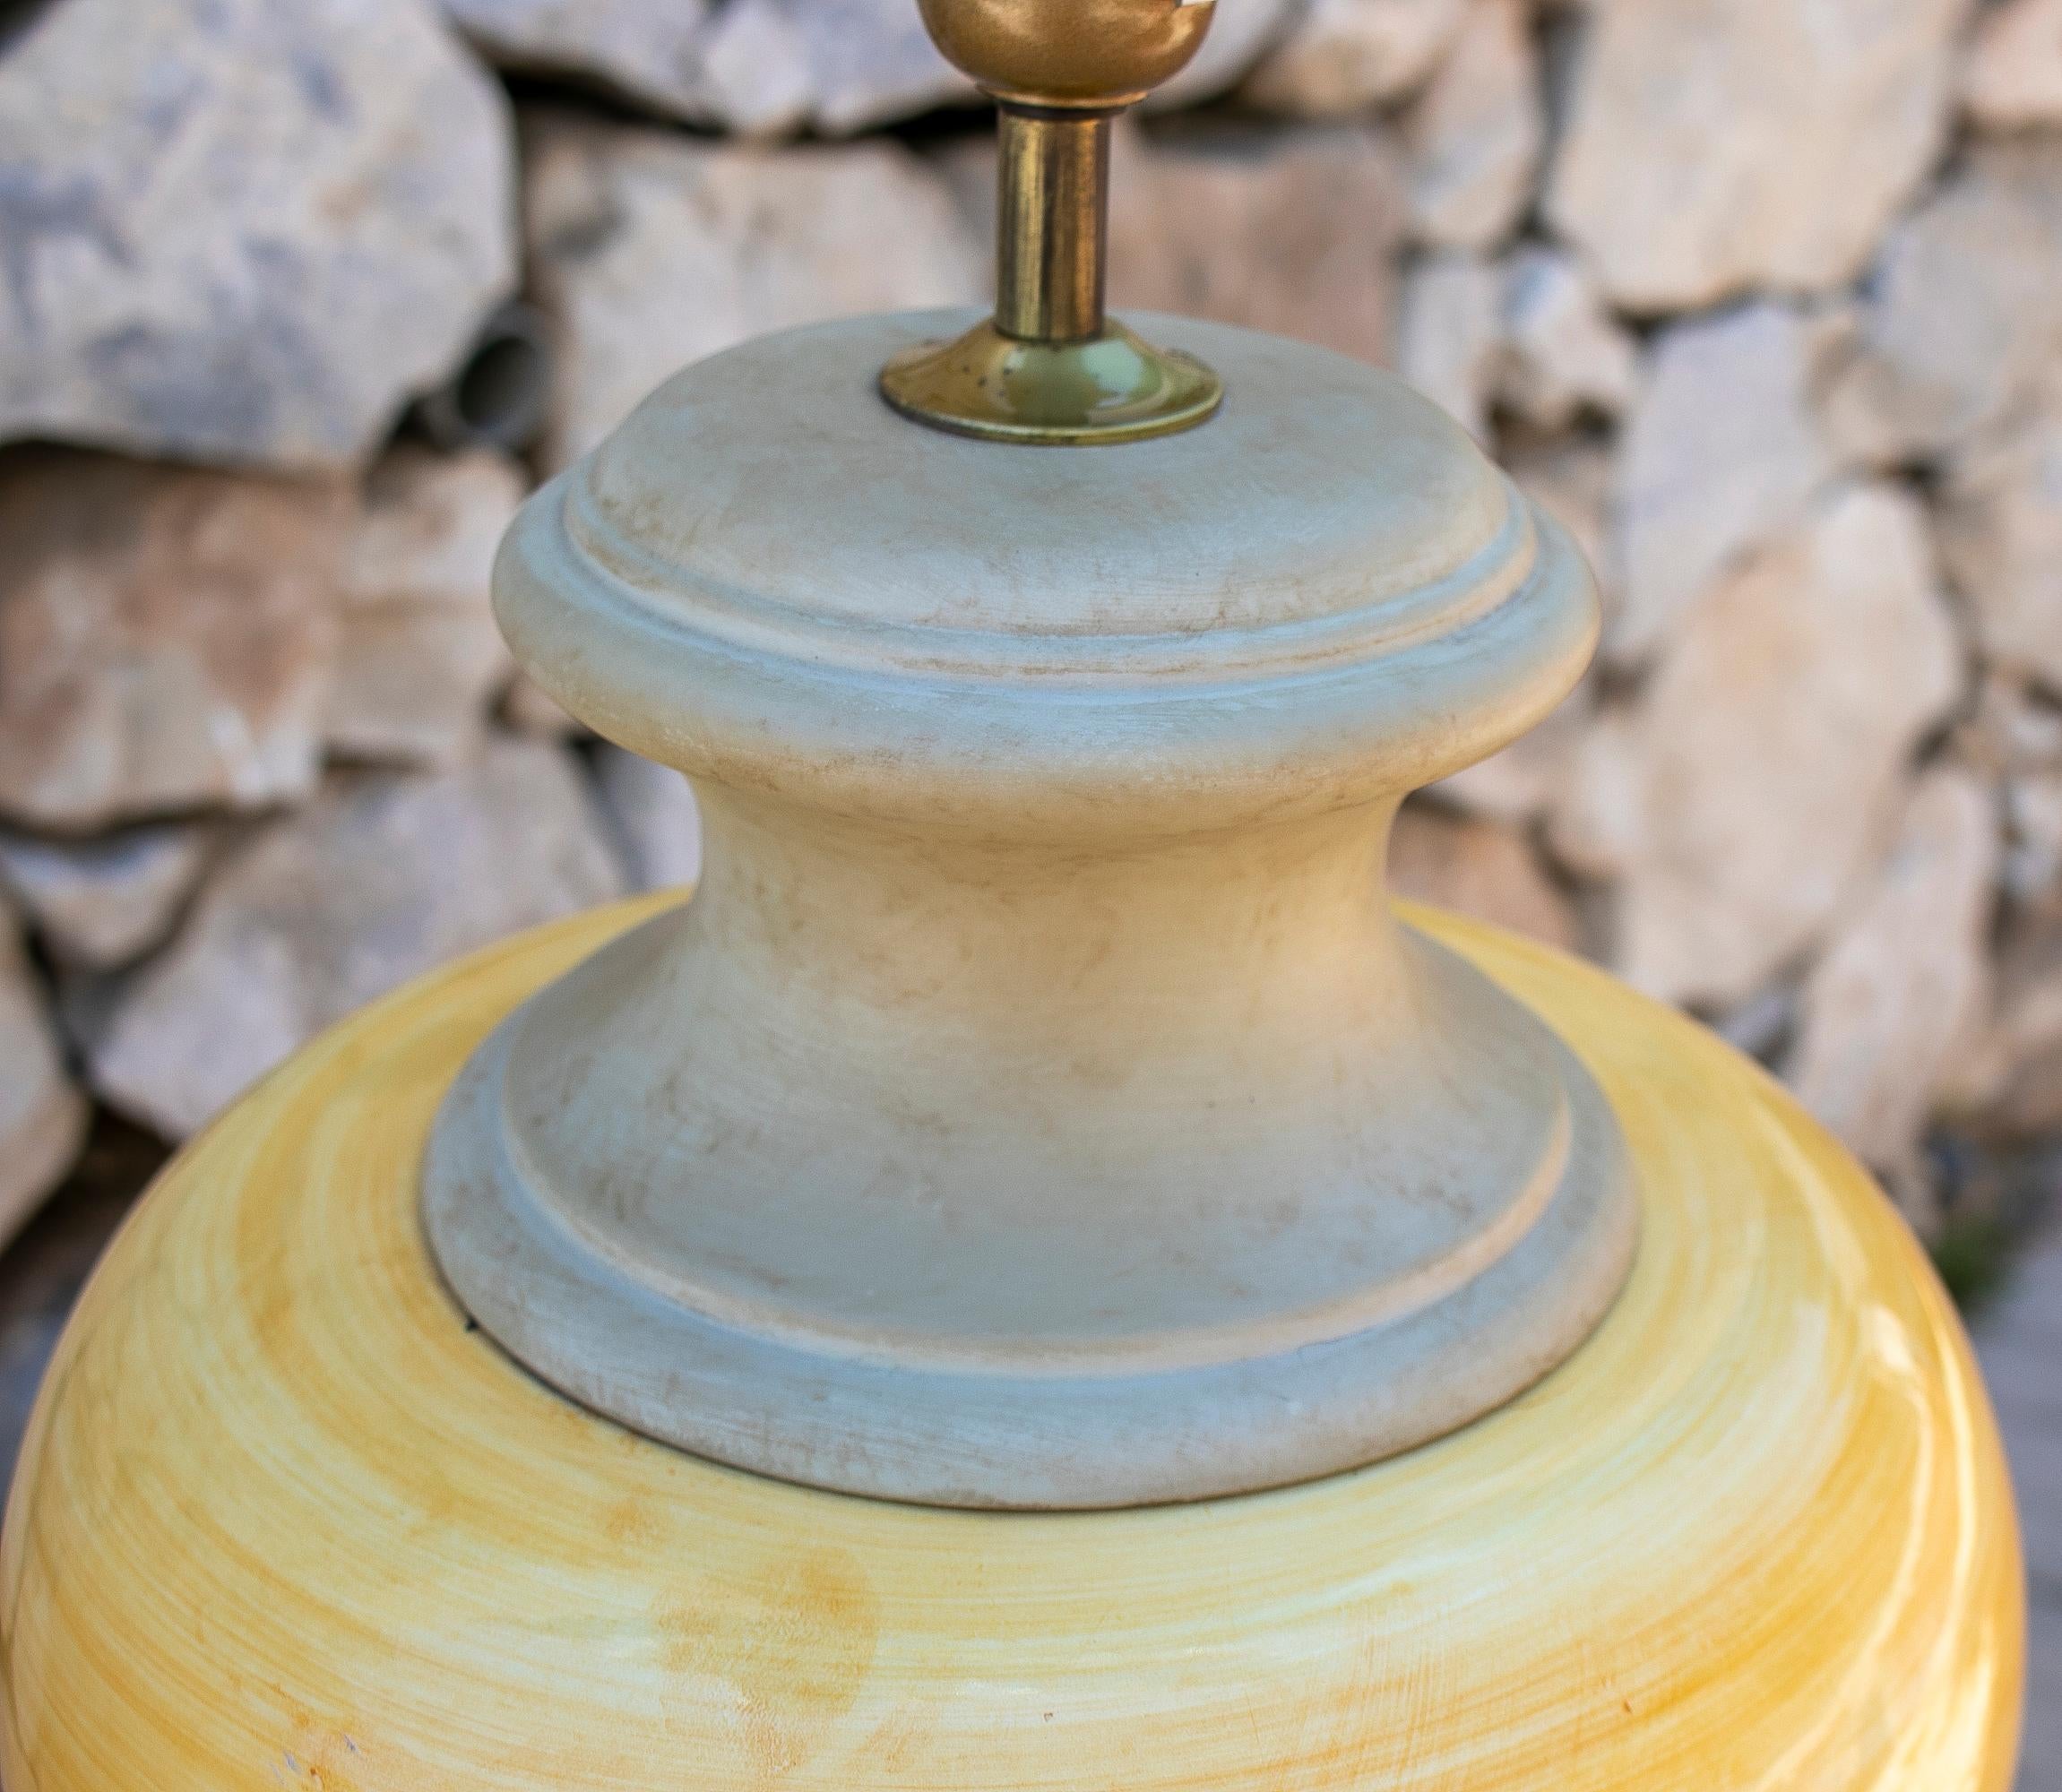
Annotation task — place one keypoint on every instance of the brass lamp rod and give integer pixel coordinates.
(1049, 367)
(1052, 221)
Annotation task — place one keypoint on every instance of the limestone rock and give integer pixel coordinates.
(1753, 780)
(2023, 1098)
(838, 65)
(1716, 149)
(1572, 477)
(2012, 734)
(1449, 342)
(2031, 874)
(420, 660)
(652, 250)
(1904, 980)
(650, 808)
(1722, 449)
(2012, 728)
(380, 878)
(2000, 523)
(2012, 76)
(1763, 1025)
(1481, 868)
(97, 904)
(1528, 339)
(1965, 313)
(166, 637)
(42, 1114)
(2029, 1029)
(1289, 231)
(755, 67)
(1569, 478)
(1342, 57)
(1240, 34)
(1472, 141)
(651, 54)
(1530, 778)
(771, 67)
(1596, 819)
(1563, 352)
(527, 708)
(248, 238)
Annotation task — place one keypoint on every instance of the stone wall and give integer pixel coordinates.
(1764, 300)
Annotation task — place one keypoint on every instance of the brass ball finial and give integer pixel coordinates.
(1092, 53)
(1050, 366)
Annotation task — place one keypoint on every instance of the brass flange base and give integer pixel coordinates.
(1111, 387)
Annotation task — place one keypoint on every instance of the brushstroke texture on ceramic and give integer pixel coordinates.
(1755, 1534)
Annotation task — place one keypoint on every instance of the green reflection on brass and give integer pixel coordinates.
(1113, 387)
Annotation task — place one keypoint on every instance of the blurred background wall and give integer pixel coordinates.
(1762, 299)
(299, 297)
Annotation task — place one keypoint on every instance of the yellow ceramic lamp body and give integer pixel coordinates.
(283, 1520)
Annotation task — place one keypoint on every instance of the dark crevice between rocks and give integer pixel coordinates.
(1992, 1197)
(18, 18)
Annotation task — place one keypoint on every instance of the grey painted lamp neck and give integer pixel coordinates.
(1038, 1105)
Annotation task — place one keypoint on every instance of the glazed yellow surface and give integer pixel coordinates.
(282, 1520)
